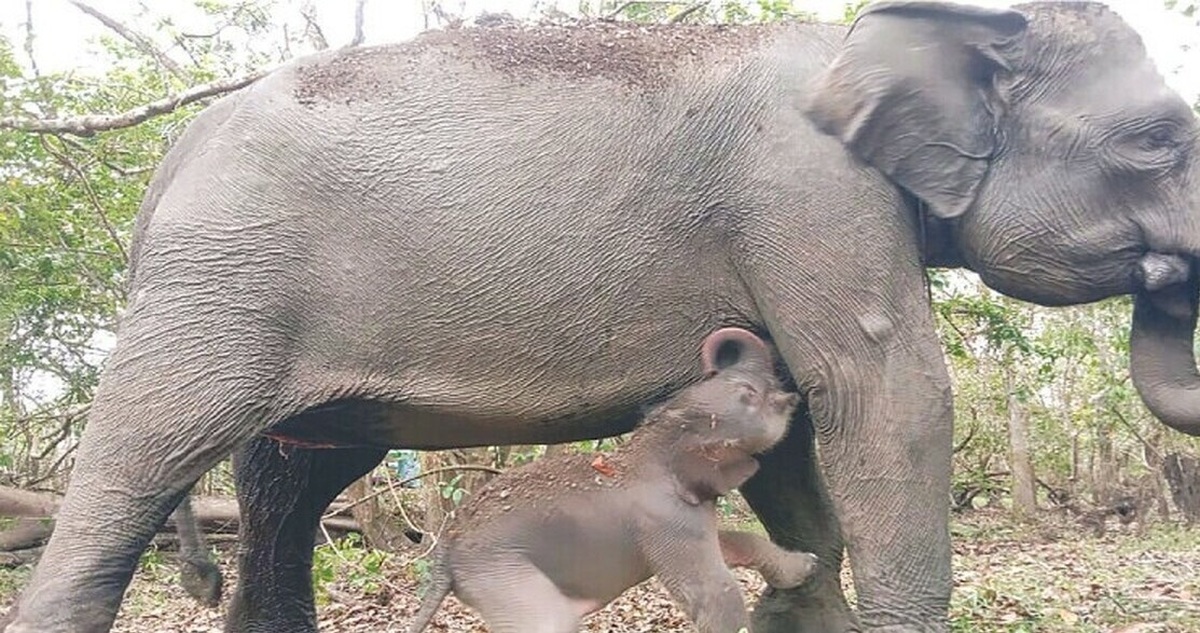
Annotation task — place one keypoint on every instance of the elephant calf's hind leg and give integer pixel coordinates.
(520, 601)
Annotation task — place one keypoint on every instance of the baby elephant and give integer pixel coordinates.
(543, 545)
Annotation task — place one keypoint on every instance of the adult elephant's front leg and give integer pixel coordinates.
(882, 415)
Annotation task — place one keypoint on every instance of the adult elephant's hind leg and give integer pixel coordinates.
(160, 419)
(790, 499)
(282, 494)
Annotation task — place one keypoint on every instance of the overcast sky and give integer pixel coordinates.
(63, 32)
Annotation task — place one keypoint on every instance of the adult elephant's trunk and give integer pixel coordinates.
(1162, 362)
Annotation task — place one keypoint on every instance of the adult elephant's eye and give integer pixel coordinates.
(1163, 136)
(1154, 147)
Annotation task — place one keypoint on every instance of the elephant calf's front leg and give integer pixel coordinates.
(706, 590)
(779, 567)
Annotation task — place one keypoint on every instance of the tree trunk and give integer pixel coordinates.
(15, 502)
(1183, 477)
(381, 528)
(1074, 476)
(1154, 485)
(25, 533)
(1104, 468)
(1023, 492)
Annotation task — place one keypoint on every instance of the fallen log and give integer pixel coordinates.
(15, 502)
(10, 560)
(25, 533)
(34, 512)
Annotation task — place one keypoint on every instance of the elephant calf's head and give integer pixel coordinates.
(708, 433)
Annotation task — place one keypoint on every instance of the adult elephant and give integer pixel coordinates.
(521, 235)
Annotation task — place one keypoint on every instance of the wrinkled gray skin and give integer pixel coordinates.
(495, 236)
(544, 545)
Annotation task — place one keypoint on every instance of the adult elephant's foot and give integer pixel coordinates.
(816, 606)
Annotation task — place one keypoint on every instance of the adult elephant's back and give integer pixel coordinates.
(382, 214)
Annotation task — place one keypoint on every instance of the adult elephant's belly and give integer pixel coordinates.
(447, 420)
(472, 351)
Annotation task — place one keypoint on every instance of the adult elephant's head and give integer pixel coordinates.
(1046, 153)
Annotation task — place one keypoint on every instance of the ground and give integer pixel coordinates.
(1048, 576)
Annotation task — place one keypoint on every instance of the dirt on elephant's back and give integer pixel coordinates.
(633, 55)
(542, 484)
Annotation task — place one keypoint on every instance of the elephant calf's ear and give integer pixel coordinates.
(913, 94)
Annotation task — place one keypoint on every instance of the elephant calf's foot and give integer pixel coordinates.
(792, 570)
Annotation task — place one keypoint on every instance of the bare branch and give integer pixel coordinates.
(359, 11)
(141, 42)
(312, 29)
(89, 125)
(683, 15)
(434, 471)
(122, 171)
(65, 160)
(970, 432)
(451, 20)
(46, 107)
(611, 15)
(29, 38)
(69, 251)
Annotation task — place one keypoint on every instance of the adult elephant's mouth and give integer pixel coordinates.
(1162, 361)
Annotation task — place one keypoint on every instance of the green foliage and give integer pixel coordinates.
(601, 445)
(67, 209)
(12, 580)
(420, 569)
(348, 559)
(1188, 9)
(852, 9)
(452, 490)
(1066, 368)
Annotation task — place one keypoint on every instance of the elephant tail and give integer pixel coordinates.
(441, 582)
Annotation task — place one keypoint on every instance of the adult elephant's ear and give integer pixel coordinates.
(913, 93)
